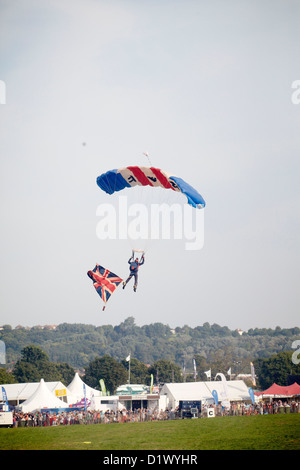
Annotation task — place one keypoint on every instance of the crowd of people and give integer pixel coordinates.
(48, 418)
(262, 408)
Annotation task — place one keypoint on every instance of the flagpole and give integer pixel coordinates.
(84, 392)
(129, 369)
(128, 359)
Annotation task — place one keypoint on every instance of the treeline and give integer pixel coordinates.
(78, 344)
(34, 365)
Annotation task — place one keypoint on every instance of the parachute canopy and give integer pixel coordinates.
(105, 282)
(119, 179)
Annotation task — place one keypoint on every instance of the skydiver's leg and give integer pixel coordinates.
(127, 280)
(135, 281)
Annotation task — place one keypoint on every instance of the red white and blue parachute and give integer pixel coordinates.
(128, 177)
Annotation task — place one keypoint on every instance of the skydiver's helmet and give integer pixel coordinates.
(137, 260)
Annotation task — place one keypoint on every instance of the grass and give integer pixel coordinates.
(268, 432)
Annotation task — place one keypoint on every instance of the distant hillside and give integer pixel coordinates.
(78, 344)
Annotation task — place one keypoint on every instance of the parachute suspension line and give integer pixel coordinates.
(148, 240)
(141, 196)
(141, 252)
(147, 155)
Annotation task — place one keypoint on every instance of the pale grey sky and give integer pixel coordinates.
(205, 88)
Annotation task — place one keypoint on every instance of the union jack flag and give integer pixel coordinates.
(105, 282)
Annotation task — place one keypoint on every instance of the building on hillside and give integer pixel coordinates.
(240, 332)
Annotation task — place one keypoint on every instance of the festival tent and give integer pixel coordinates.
(281, 391)
(76, 389)
(19, 392)
(202, 391)
(294, 389)
(191, 391)
(237, 389)
(41, 398)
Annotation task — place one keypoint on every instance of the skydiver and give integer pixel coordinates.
(133, 268)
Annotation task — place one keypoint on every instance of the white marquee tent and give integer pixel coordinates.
(194, 391)
(19, 392)
(76, 390)
(41, 398)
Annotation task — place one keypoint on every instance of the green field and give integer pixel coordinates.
(268, 432)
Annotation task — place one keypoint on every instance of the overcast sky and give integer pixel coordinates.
(206, 89)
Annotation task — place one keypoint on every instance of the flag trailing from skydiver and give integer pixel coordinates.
(105, 282)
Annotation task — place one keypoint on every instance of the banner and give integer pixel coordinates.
(4, 395)
(251, 393)
(62, 392)
(215, 395)
(103, 388)
(253, 374)
(225, 394)
(84, 392)
(195, 369)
